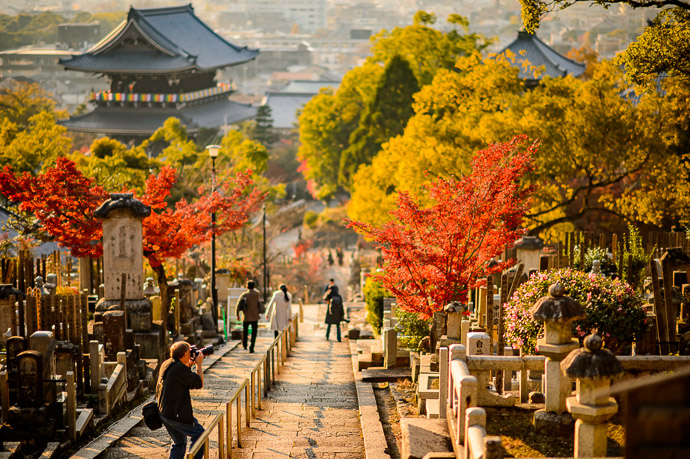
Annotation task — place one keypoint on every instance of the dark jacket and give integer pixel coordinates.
(335, 311)
(251, 313)
(172, 390)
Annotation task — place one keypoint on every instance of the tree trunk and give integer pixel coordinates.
(165, 299)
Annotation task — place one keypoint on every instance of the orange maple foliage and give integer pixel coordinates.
(434, 254)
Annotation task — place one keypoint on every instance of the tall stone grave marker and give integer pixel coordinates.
(123, 258)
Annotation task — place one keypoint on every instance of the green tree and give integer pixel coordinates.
(262, 128)
(427, 49)
(385, 117)
(328, 121)
(33, 147)
(601, 154)
(114, 166)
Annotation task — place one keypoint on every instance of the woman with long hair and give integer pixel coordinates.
(279, 309)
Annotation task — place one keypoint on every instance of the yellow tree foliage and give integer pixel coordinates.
(604, 149)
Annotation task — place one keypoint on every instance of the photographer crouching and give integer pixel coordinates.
(174, 402)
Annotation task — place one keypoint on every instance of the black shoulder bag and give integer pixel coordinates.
(152, 417)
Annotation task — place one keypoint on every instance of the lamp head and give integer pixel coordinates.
(213, 150)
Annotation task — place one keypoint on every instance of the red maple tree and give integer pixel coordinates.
(64, 201)
(170, 231)
(435, 254)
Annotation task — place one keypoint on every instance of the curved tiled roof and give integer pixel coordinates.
(168, 39)
(145, 121)
(528, 47)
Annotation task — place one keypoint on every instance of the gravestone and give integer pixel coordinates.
(529, 252)
(66, 357)
(44, 343)
(478, 343)
(113, 333)
(123, 258)
(31, 412)
(30, 388)
(7, 309)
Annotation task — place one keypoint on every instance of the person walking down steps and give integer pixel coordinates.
(335, 312)
(279, 309)
(251, 305)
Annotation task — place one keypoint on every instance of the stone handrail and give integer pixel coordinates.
(462, 392)
(203, 439)
(477, 444)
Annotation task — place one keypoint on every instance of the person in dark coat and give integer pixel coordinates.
(250, 304)
(174, 401)
(335, 311)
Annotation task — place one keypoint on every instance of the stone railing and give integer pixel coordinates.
(466, 380)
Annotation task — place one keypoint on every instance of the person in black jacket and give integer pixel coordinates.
(174, 402)
(335, 312)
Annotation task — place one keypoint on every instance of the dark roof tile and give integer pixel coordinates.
(528, 47)
(145, 121)
(182, 39)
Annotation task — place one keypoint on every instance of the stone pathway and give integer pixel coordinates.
(311, 411)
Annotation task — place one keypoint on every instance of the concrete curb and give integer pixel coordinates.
(375, 445)
(120, 428)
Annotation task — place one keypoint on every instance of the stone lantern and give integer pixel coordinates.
(557, 312)
(593, 367)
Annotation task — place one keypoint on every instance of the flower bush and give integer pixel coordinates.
(612, 309)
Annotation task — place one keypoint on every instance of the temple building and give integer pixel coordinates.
(159, 63)
(528, 47)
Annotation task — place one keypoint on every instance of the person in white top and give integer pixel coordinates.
(279, 309)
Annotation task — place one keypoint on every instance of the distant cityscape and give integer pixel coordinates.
(307, 40)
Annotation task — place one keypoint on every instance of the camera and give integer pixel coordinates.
(206, 350)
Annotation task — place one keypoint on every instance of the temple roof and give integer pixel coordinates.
(160, 40)
(145, 121)
(528, 47)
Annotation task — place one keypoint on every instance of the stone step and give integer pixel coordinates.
(421, 436)
(380, 374)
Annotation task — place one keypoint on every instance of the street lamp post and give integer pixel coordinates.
(213, 153)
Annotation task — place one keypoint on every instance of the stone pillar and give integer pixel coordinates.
(593, 367)
(85, 274)
(390, 347)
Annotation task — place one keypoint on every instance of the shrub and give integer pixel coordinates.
(612, 309)
(635, 259)
(412, 328)
(373, 295)
(310, 219)
(607, 265)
